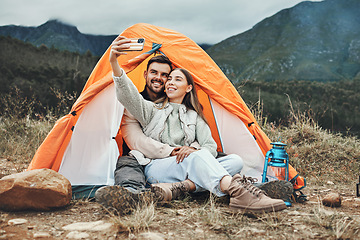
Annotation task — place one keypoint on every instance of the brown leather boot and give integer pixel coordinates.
(247, 198)
(170, 191)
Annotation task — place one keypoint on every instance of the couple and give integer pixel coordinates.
(183, 155)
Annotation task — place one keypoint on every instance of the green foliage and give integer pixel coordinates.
(42, 74)
(333, 105)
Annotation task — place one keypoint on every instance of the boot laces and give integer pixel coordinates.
(247, 182)
(178, 190)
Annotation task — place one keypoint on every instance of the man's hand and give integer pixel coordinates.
(182, 152)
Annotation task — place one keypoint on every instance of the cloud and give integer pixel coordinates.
(204, 21)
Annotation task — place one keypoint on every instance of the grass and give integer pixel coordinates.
(340, 225)
(140, 220)
(317, 154)
(314, 152)
(22, 129)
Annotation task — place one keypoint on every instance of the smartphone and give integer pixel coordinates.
(136, 44)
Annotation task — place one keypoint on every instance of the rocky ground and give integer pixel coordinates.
(197, 217)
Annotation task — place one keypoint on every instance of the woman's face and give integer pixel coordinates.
(177, 86)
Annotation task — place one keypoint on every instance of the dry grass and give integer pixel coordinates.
(20, 139)
(318, 155)
(22, 130)
(314, 152)
(140, 220)
(338, 224)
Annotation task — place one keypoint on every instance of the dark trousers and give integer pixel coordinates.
(129, 173)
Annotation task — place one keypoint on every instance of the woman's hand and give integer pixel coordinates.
(182, 152)
(117, 47)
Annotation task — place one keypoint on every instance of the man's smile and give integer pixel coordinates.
(157, 83)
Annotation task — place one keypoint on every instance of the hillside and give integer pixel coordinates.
(40, 74)
(60, 36)
(311, 41)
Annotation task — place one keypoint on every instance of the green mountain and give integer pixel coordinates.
(41, 74)
(60, 36)
(310, 41)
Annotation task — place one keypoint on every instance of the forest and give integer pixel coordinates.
(46, 78)
(50, 80)
(335, 106)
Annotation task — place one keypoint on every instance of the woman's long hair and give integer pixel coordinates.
(191, 100)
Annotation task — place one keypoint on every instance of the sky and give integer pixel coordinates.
(204, 21)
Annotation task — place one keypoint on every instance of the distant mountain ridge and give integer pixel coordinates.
(310, 41)
(61, 36)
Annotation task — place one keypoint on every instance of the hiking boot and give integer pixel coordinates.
(119, 199)
(244, 196)
(170, 191)
(278, 189)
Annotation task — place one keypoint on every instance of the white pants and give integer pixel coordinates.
(200, 167)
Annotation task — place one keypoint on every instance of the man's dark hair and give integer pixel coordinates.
(160, 59)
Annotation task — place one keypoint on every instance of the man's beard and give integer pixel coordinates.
(159, 91)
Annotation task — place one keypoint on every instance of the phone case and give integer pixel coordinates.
(136, 44)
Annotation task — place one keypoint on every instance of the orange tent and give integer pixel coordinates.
(87, 141)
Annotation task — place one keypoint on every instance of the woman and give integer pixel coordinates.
(179, 121)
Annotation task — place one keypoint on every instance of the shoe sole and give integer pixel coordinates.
(278, 189)
(273, 208)
(160, 194)
(118, 199)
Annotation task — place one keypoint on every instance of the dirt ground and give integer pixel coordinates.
(197, 217)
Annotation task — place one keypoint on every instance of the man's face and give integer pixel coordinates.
(156, 77)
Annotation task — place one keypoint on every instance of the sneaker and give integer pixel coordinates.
(244, 196)
(278, 189)
(170, 191)
(119, 199)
